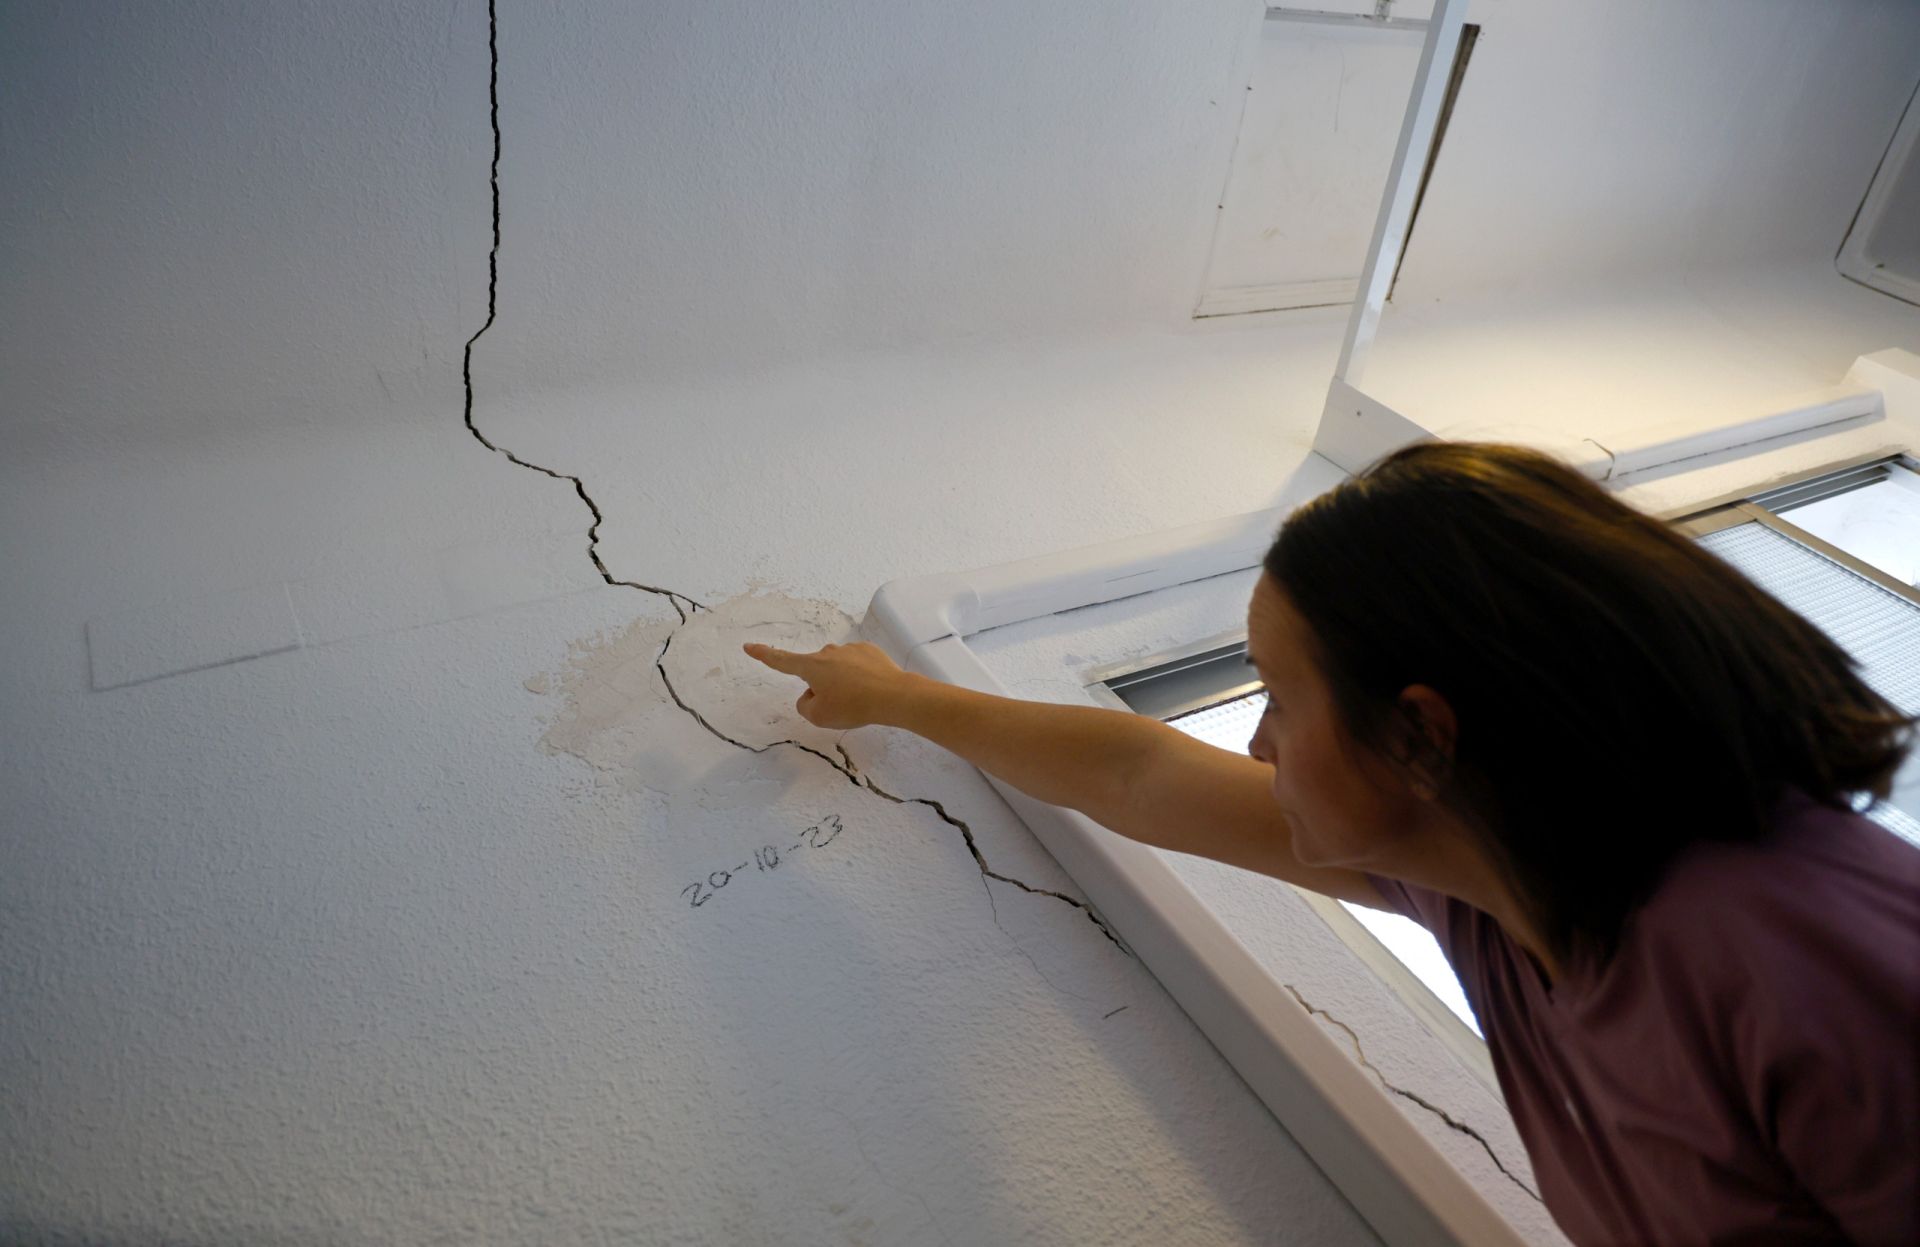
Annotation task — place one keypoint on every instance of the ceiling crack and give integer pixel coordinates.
(493, 290)
(1452, 1122)
(674, 598)
(874, 1165)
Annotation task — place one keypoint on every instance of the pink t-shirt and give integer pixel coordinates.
(1746, 1069)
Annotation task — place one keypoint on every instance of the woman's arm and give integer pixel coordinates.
(1129, 773)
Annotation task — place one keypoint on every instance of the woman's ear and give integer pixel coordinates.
(1428, 730)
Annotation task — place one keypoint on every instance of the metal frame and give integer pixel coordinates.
(1747, 513)
(1752, 511)
(1853, 261)
(1101, 682)
(1108, 672)
(1404, 177)
(1822, 488)
(1355, 429)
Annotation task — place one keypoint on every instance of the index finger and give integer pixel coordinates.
(778, 659)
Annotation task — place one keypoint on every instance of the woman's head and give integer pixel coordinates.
(1589, 690)
(1347, 805)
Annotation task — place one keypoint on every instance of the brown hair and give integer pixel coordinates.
(1620, 692)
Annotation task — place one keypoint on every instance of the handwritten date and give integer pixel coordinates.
(767, 857)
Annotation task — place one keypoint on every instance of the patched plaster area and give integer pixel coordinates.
(629, 700)
(617, 715)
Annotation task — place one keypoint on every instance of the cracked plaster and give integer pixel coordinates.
(617, 715)
(321, 946)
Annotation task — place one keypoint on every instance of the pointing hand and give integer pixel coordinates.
(849, 686)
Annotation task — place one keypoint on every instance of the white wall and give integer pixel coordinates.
(323, 945)
(719, 186)
(365, 941)
(257, 215)
(221, 218)
(1596, 143)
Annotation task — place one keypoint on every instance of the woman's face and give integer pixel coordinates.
(1346, 807)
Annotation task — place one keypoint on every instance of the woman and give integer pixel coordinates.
(1611, 776)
